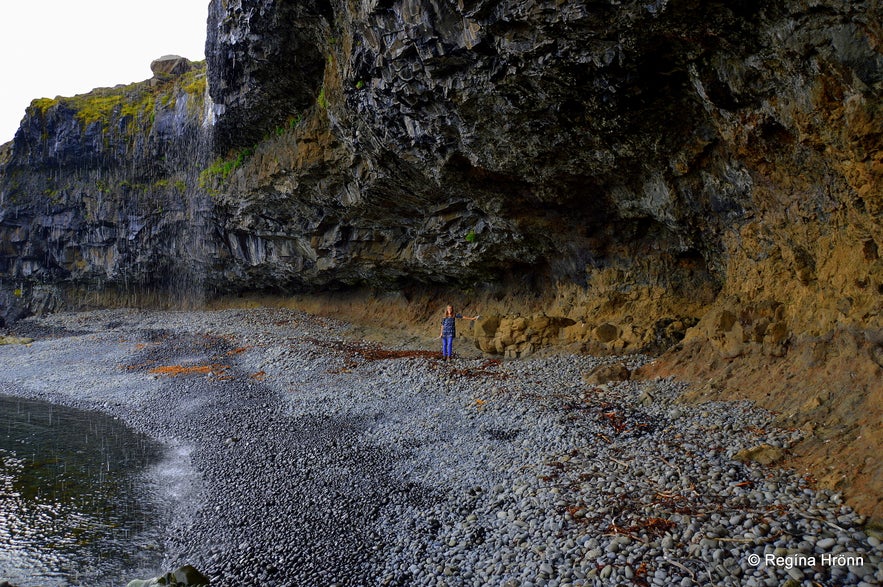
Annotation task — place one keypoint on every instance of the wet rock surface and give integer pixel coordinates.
(319, 459)
(185, 576)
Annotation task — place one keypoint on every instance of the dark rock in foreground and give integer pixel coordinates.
(185, 576)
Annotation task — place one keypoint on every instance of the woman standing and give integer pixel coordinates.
(449, 331)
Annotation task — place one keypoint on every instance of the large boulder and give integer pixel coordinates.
(170, 65)
(185, 576)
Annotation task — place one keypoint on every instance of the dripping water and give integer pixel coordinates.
(76, 505)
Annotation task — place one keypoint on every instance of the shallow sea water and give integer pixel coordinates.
(76, 505)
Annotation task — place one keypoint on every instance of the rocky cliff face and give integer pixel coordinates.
(675, 153)
(620, 152)
(99, 190)
(703, 177)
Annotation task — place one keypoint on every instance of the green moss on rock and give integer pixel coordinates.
(41, 105)
(138, 101)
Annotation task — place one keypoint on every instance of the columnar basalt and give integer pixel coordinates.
(98, 190)
(621, 147)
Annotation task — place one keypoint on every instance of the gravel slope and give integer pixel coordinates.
(304, 458)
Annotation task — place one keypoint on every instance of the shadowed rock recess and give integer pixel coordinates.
(701, 178)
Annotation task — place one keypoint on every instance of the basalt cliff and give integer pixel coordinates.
(699, 179)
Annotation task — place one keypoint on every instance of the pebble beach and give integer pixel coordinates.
(304, 456)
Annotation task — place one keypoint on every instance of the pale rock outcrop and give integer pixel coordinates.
(169, 65)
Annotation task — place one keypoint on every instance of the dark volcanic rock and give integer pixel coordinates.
(185, 576)
(100, 190)
(668, 151)
(265, 65)
(466, 142)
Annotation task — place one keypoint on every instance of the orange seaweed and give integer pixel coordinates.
(176, 370)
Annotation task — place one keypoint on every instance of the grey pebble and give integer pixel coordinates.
(390, 472)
